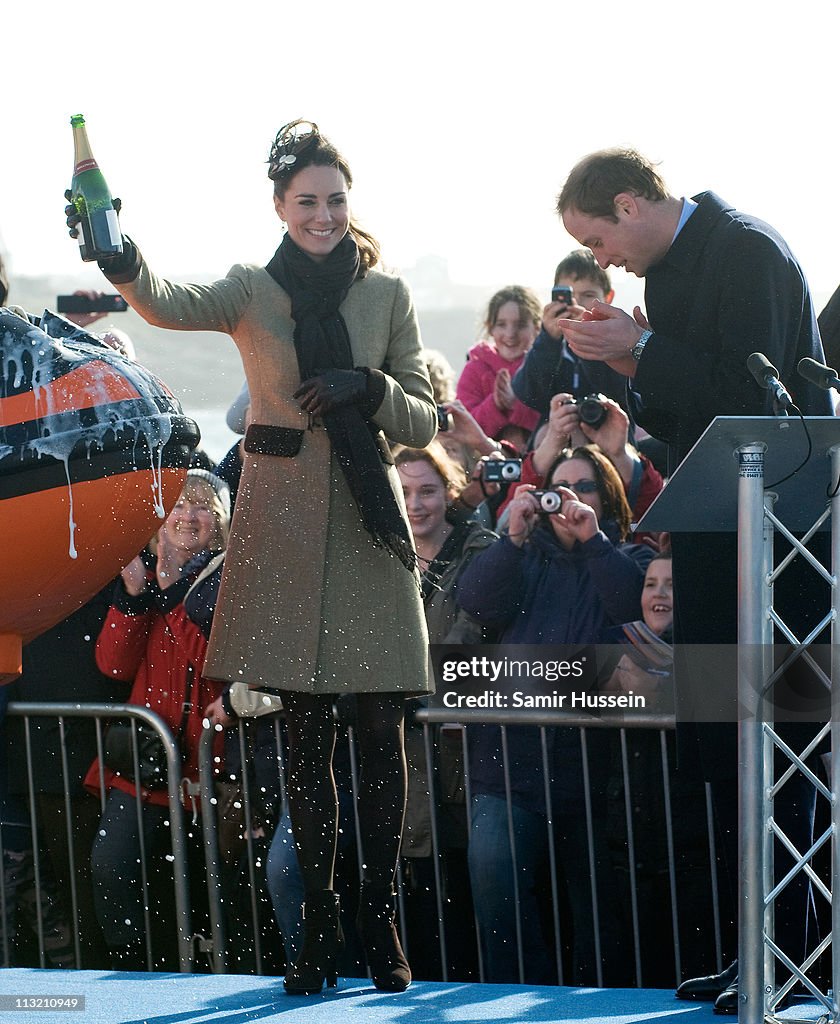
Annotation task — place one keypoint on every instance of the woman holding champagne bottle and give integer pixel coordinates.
(320, 594)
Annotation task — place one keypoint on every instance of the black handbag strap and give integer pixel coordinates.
(188, 703)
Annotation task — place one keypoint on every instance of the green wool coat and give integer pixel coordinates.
(307, 603)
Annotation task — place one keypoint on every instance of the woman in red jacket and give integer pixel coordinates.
(147, 638)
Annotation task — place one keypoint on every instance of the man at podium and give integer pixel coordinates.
(719, 285)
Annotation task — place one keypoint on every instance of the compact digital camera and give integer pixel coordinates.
(502, 471)
(550, 502)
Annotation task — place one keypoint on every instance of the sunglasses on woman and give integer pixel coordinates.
(581, 487)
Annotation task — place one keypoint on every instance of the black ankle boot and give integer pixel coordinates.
(323, 940)
(389, 968)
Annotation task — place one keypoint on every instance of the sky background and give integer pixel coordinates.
(459, 120)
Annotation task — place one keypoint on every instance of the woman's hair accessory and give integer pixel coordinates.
(292, 140)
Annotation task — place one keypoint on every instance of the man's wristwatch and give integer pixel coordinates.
(639, 347)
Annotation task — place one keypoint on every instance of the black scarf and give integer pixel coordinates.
(322, 342)
(449, 551)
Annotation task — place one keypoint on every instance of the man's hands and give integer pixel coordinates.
(606, 334)
(555, 314)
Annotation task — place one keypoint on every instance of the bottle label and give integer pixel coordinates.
(99, 235)
(85, 165)
(114, 227)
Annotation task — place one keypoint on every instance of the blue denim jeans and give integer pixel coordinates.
(285, 886)
(491, 877)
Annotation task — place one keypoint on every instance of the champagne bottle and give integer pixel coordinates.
(99, 229)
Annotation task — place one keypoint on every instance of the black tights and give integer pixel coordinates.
(313, 801)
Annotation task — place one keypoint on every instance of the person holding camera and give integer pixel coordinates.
(485, 383)
(562, 573)
(447, 541)
(550, 367)
(320, 594)
(594, 419)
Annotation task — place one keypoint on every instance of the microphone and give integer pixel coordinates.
(767, 376)
(818, 373)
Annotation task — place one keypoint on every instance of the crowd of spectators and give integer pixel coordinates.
(500, 565)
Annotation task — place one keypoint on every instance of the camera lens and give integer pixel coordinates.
(592, 411)
(510, 470)
(550, 502)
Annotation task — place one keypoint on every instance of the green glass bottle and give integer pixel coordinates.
(99, 230)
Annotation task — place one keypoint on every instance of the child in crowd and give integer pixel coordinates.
(550, 366)
(485, 384)
(663, 817)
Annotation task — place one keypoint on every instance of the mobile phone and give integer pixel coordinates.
(562, 293)
(83, 304)
(443, 418)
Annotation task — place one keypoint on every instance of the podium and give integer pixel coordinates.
(722, 486)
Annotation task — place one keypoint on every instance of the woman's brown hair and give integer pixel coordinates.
(436, 456)
(610, 486)
(293, 151)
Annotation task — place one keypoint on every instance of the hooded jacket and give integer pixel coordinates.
(475, 390)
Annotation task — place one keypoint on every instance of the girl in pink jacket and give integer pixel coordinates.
(512, 322)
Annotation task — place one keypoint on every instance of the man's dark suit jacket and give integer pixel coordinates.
(728, 286)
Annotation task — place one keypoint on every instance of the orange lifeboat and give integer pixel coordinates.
(93, 454)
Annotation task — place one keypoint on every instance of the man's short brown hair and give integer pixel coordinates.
(597, 179)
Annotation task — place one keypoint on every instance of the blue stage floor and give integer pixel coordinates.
(124, 998)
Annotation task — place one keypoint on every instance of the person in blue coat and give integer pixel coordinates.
(560, 578)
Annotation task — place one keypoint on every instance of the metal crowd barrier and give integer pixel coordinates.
(216, 944)
(100, 713)
(542, 721)
(428, 719)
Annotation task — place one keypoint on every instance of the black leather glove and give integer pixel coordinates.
(118, 269)
(332, 389)
(72, 214)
